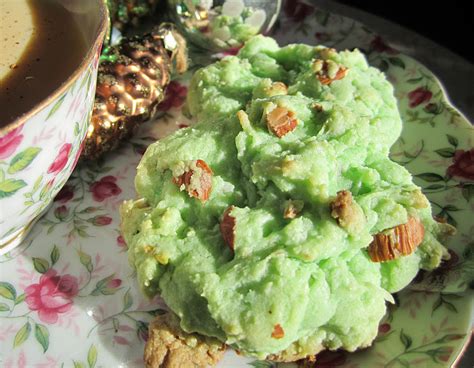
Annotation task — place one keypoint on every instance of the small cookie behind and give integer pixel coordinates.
(169, 346)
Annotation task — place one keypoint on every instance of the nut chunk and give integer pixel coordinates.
(278, 332)
(276, 89)
(328, 71)
(281, 121)
(399, 240)
(196, 180)
(228, 228)
(341, 208)
(347, 212)
(292, 209)
(169, 346)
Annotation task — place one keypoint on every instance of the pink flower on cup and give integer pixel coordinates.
(105, 188)
(61, 159)
(53, 295)
(419, 96)
(463, 164)
(175, 96)
(10, 142)
(49, 184)
(78, 155)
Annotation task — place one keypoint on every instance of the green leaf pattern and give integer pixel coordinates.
(22, 335)
(8, 187)
(54, 255)
(92, 356)
(85, 260)
(23, 159)
(40, 264)
(405, 339)
(42, 336)
(7, 291)
(56, 106)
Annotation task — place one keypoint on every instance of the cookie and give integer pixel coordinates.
(257, 224)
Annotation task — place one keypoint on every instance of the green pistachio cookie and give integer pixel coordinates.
(278, 223)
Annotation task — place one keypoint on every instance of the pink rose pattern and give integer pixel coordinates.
(78, 155)
(105, 188)
(463, 164)
(121, 242)
(61, 160)
(419, 96)
(28, 189)
(174, 97)
(378, 44)
(53, 295)
(61, 212)
(10, 142)
(114, 283)
(102, 220)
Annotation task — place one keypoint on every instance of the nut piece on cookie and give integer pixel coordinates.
(243, 119)
(347, 212)
(292, 208)
(341, 207)
(168, 346)
(278, 332)
(196, 180)
(317, 107)
(276, 89)
(227, 227)
(327, 53)
(399, 240)
(327, 71)
(281, 121)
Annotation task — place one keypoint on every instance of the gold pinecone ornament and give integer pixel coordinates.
(131, 81)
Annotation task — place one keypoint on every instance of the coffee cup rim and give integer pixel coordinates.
(99, 37)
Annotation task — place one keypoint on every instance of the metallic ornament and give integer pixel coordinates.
(221, 25)
(131, 82)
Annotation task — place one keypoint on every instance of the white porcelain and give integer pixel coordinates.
(39, 150)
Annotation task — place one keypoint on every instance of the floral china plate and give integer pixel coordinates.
(69, 298)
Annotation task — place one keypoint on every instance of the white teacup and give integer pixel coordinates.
(39, 149)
